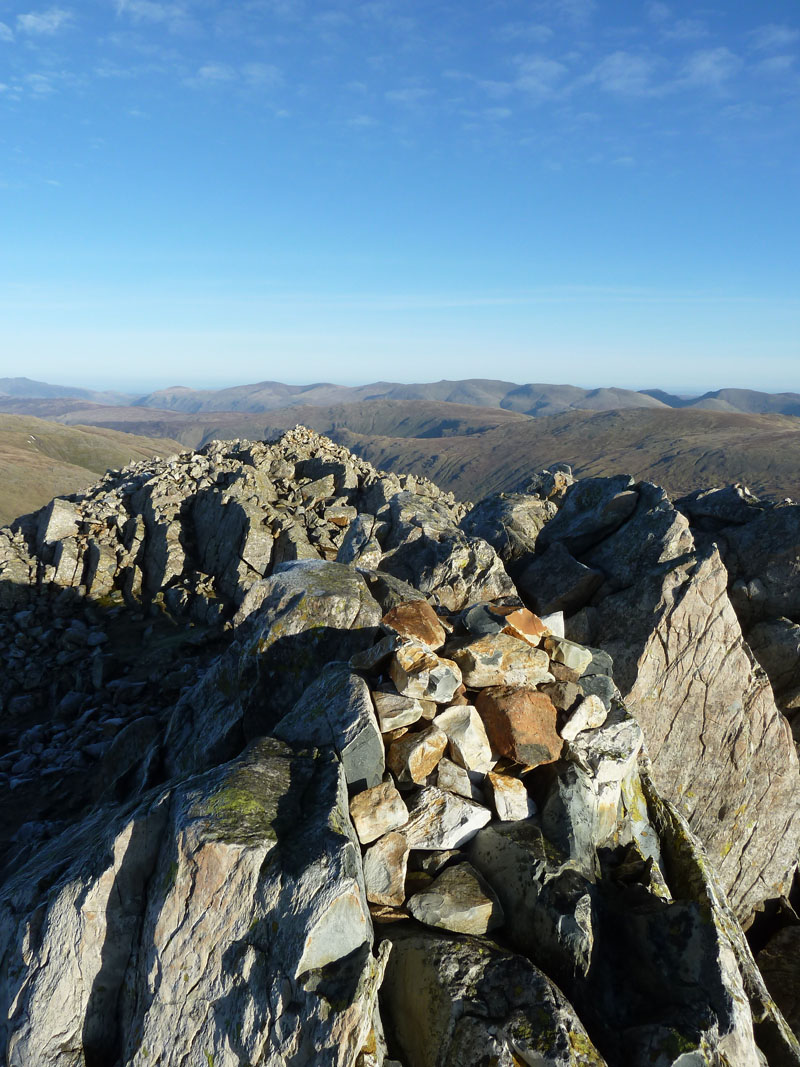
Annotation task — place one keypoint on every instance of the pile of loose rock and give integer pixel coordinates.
(467, 706)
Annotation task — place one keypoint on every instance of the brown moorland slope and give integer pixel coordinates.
(41, 459)
(679, 449)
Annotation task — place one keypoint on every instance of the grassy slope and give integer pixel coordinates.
(41, 459)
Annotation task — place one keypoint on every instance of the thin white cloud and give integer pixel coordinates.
(6, 33)
(626, 73)
(261, 74)
(773, 37)
(539, 76)
(535, 32)
(409, 96)
(216, 72)
(657, 12)
(577, 12)
(685, 30)
(710, 67)
(44, 22)
(362, 122)
(775, 66)
(39, 84)
(150, 10)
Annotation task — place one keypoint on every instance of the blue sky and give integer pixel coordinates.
(199, 192)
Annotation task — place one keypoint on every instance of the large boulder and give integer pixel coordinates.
(223, 921)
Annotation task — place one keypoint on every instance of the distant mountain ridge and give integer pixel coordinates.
(534, 399)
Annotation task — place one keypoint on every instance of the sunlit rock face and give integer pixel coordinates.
(297, 775)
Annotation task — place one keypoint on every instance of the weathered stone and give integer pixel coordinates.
(721, 750)
(376, 811)
(600, 685)
(457, 779)
(527, 626)
(520, 723)
(556, 581)
(413, 757)
(385, 866)
(395, 710)
(779, 963)
(418, 672)
(590, 713)
(59, 519)
(776, 646)
(576, 657)
(500, 659)
(510, 798)
(592, 509)
(418, 622)
(510, 522)
(466, 734)
(562, 694)
(337, 710)
(439, 819)
(458, 899)
(554, 623)
(454, 1002)
(373, 659)
(231, 886)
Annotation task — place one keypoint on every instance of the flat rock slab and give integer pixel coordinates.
(395, 710)
(500, 659)
(468, 743)
(418, 621)
(443, 820)
(376, 811)
(459, 900)
(385, 865)
(520, 723)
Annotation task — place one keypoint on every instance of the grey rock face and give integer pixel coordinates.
(336, 710)
(592, 509)
(195, 890)
(461, 1001)
(458, 899)
(510, 522)
(720, 748)
(556, 581)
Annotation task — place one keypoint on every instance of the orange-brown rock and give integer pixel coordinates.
(413, 757)
(521, 724)
(523, 623)
(417, 620)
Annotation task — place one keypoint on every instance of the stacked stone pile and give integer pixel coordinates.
(310, 764)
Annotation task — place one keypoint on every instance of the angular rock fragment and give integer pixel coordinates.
(414, 756)
(576, 657)
(592, 509)
(337, 710)
(456, 779)
(468, 744)
(510, 799)
(589, 714)
(373, 659)
(395, 710)
(417, 672)
(385, 866)
(520, 723)
(500, 659)
(416, 621)
(443, 820)
(376, 811)
(458, 899)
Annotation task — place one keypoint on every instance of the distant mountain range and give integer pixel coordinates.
(472, 436)
(532, 399)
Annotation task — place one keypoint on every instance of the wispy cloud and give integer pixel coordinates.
(6, 33)
(773, 37)
(44, 22)
(657, 12)
(216, 72)
(775, 66)
(252, 75)
(539, 76)
(534, 32)
(685, 30)
(710, 67)
(362, 122)
(409, 97)
(576, 12)
(627, 73)
(150, 10)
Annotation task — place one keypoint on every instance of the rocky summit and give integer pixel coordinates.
(309, 764)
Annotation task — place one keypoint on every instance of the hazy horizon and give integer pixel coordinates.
(586, 190)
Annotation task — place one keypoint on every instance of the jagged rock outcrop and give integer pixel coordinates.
(341, 799)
